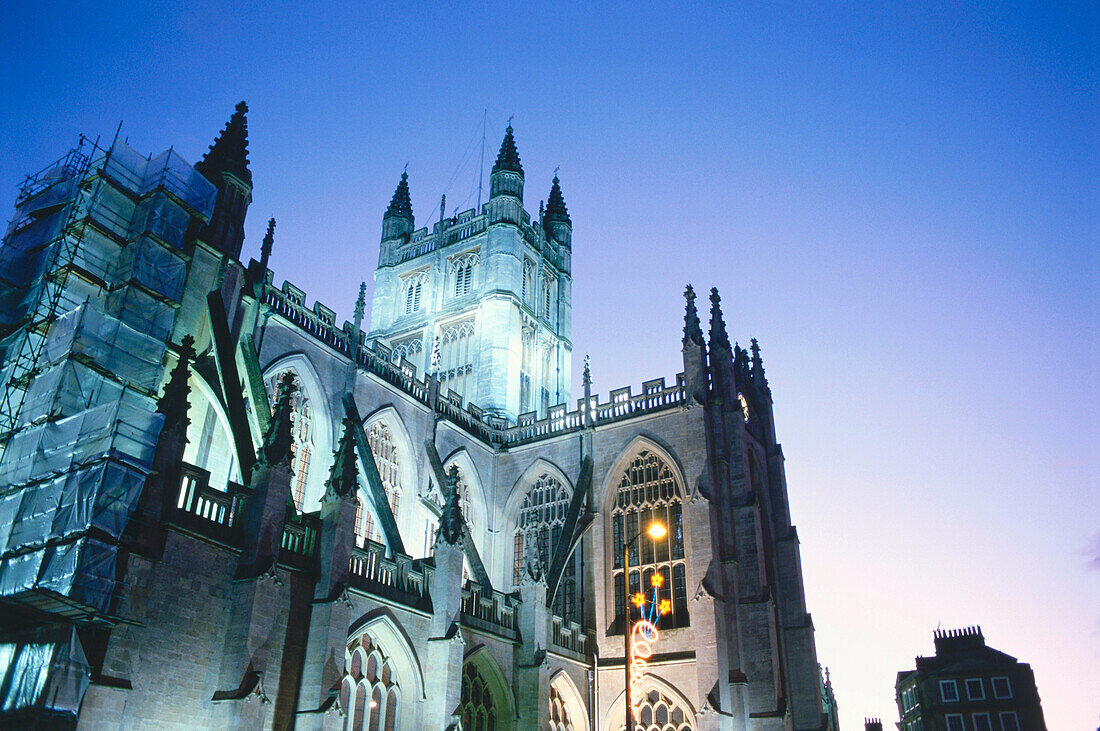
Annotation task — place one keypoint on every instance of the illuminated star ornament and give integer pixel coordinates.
(644, 633)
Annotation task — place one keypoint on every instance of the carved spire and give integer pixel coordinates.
(555, 207)
(450, 521)
(277, 442)
(265, 247)
(508, 157)
(757, 361)
(173, 402)
(692, 331)
(587, 372)
(343, 479)
(718, 337)
(229, 153)
(401, 203)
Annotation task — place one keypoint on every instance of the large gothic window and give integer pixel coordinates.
(387, 459)
(541, 519)
(478, 711)
(648, 493)
(659, 712)
(370, 693)
(302, 432)
(456, 357)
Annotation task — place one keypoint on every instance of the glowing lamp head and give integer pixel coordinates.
(657, 531)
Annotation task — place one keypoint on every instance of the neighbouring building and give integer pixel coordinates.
(968, 686)
(221, 507)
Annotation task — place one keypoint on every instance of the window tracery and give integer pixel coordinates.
(414, 285)
(660, 712)
(559, 712)
(541, 520)
(647, 493)
(462, 271)
(370, 692)
(528, 282)
(387, 460)
(477, 707)
(408, 350)
(301, 431)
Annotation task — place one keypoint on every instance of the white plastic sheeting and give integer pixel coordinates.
(123, 429)
(67, 388)
(133, 356)
(157, 268)
(46, 670)
(143, 312)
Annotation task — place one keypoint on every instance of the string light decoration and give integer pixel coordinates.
(644, 634)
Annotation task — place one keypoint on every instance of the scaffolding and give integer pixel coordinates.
(92, 271)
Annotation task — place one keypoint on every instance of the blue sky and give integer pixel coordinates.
(901, 203)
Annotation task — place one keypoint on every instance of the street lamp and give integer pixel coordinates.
(656, 531)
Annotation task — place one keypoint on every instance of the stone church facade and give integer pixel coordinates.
(220, 508)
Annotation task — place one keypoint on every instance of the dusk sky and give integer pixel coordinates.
(902, 204)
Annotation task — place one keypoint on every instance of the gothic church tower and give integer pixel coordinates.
(490, 291)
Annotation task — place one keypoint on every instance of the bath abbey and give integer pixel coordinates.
(223, 507)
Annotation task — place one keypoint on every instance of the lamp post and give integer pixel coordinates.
(655, 531)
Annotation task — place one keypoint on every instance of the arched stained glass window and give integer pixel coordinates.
(477, 707)
(648, 493)
(301, 431)
(659, 712)
(370, 690)
(541, 520)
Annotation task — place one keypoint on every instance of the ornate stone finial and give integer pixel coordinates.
(229, 153)
(361, 303)
(718, 337)
(692, 332)
(443, 207)
(532, 562)
(265, 247)
(508, 157)
(343, 479)
(401, 203)
(277, 442)
(587, 371)
(173, 402)
(757, 361)
(451, 522)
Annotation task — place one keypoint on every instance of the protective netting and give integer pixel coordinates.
(46, 669)
(115, 346)
(122, 429)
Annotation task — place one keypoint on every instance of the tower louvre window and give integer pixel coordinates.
(462, 269)
(414, 291)
(527, 283)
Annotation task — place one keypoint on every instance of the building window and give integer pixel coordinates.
(301, 431)
(649, 493)
(908, 698)
(949, 691)
(476, 705)
(559, 712)
(955, 722)
(982, 722)
(1009, 721)
(541, 519)
(370, 693)
(456, 357)
(462, 273)
(658, 712)
(527, 286)
(974, 689)
(547, 299)
(1001, 688)
(409, 349)
(385, 452)
(414, 286)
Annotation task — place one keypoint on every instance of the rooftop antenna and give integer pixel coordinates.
(481, 164)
